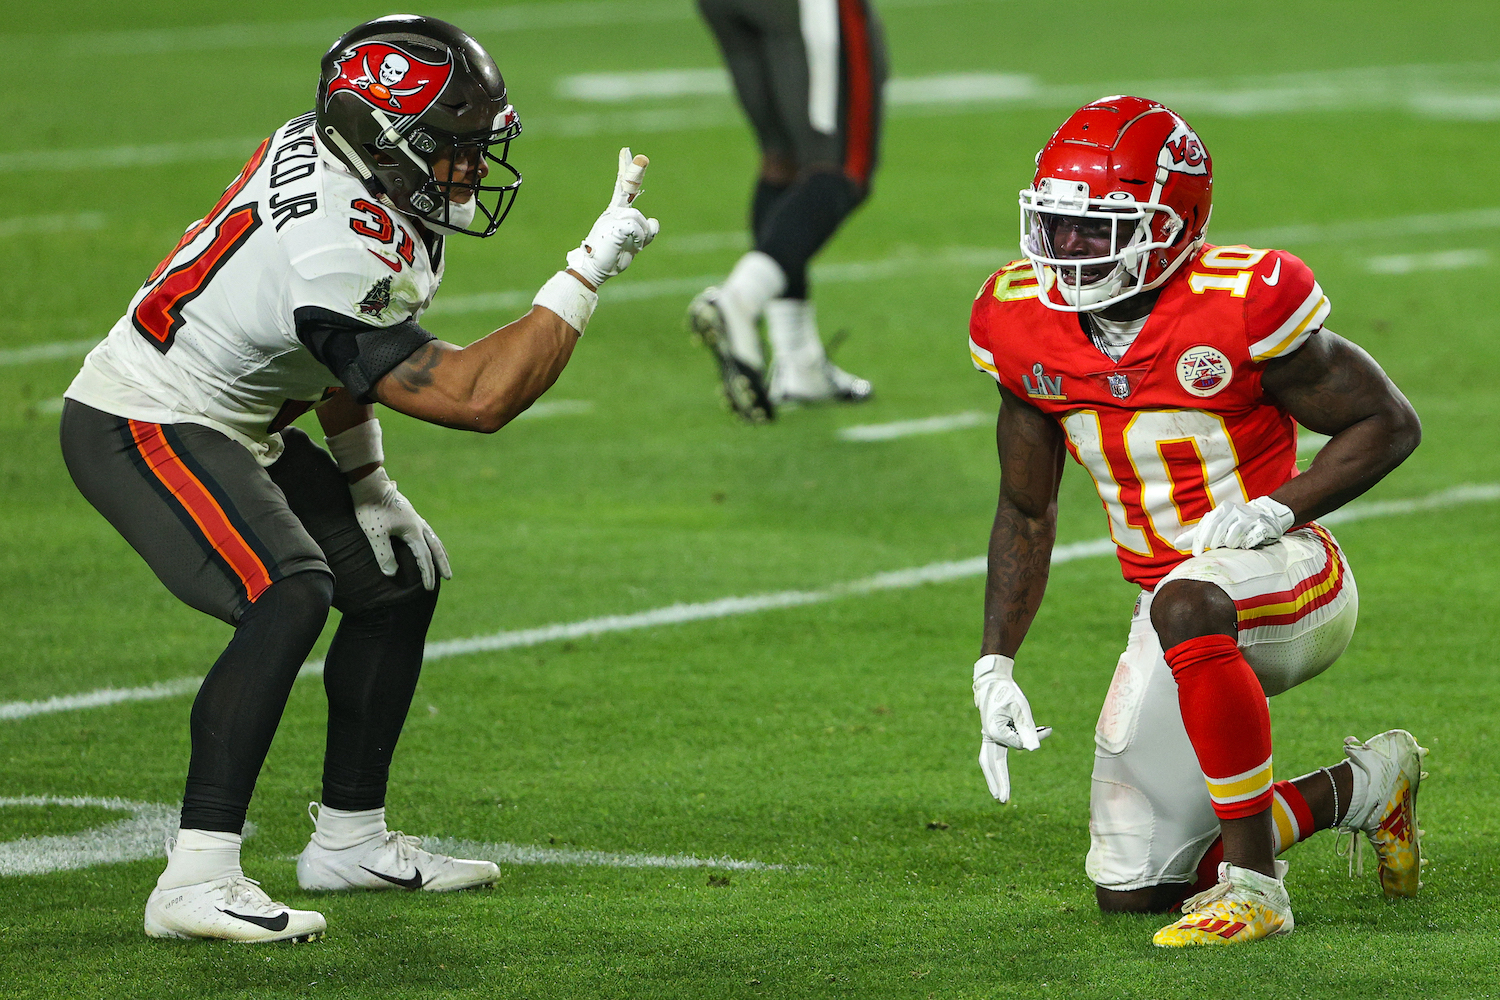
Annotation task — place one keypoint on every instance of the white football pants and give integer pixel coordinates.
(1150, 817)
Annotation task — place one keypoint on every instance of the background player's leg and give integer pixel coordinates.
(828, 83)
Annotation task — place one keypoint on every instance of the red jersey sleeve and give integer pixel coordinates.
(981, 350)
(1284, 306)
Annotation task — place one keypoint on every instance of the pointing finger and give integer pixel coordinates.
(628, 182)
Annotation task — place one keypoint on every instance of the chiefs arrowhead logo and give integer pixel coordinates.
(390, 79)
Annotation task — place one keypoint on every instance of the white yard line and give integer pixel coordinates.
(910, 428)
(134, 839)
(46, 352)
(677, 614)
(32, 225)
(1468, 91)
(524, 854)
(556, 408)
(52, 160)
(142, 835)
(1443, 260)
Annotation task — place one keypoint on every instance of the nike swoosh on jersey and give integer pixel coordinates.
(395, 265)
(269, 923)
(415, 882)
(1275, 273)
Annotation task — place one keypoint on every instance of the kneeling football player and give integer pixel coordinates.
(1176, 372)
(312, 271)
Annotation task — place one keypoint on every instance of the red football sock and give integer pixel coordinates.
(1224, 712)
(1291, 823)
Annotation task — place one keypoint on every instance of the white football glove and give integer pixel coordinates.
(1004, 721)
(384, 514)
(621, 232)
(1236, 525)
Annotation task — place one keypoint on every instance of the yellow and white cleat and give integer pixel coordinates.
(1386, 809)
(1244, 906)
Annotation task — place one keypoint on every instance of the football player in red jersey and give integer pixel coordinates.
(1176, 372)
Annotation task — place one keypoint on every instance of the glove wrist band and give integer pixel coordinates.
(1003, 666)
(567, 296)
(357, 447)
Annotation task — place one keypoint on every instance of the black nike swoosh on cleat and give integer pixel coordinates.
(415, 882)
(269, 923)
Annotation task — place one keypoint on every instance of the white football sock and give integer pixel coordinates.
(793, 328)
(338, 828)
(1359, 810)
(755, 281)
(201, 856)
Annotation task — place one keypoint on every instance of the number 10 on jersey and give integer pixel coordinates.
(1157, 471)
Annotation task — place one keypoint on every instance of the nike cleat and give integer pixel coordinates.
(234, 908)
(392, 860)
(1244, 906)
(744, 384)
(1387, 816)
(831, 384)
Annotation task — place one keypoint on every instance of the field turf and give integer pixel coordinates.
(831, 742)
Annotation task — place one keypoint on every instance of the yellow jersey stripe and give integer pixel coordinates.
(1317, 313)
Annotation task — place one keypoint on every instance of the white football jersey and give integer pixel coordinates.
(211, 337)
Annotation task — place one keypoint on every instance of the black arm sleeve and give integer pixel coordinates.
(358, 355)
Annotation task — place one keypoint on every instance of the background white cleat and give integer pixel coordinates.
(735, 342)
(392, 860)
(825, 383)
(234, 908)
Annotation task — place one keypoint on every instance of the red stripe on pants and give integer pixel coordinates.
(201, 506)
(858, 126)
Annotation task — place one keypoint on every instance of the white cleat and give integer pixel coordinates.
(1387, 814)
(392, 860)
(827, 384)
(734, 340)
(233, 908)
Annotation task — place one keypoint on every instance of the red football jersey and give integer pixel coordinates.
(1179, 424)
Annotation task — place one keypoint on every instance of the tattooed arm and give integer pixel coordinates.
(1333, 387)
(484, 386)
(1031, 461)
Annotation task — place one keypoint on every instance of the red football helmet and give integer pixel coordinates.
(1122, 174)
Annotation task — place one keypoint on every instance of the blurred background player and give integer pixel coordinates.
(1176, 373)
(312, 271)
(809, 74)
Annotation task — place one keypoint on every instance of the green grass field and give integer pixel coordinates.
(832, 742)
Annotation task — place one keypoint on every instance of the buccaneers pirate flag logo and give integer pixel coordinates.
(391, 79)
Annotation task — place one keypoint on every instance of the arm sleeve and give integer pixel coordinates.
(1285, 306)
(358, 355)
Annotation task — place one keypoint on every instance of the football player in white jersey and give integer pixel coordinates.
(302, 288)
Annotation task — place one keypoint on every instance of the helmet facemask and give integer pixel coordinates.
(443, 203)
(1096, 251)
